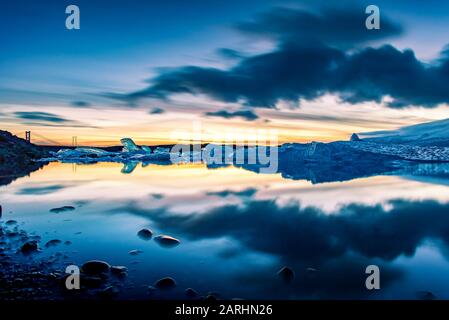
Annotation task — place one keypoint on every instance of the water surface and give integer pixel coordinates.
(238, 228)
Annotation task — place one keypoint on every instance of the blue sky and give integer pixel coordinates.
(124, 48)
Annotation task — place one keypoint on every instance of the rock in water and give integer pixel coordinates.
(95, 267)
(29, 247)
(53, 243)
(355, 137)
(145, 234)
(286, 274)
(119, 271)
(167, 241)
(165, 283)
(134, 252)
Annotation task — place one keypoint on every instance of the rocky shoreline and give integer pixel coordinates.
(18, 157)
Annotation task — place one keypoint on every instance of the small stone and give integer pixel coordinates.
(286, 274)
(165, 283)
(167, 241)
(95, 267)
(92, 281)
(135, 252)
(145, 234)
(29, 247)
(53, 243)
(11, 222)
(119, 271)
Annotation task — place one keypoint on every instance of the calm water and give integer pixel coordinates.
(238, 228)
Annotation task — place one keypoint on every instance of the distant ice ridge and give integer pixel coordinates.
(403, 151)
(434, 133)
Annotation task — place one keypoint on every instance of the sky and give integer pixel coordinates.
(307, 70)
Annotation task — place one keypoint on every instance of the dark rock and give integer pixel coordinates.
(135, 252)
(29, 247)
(95, 267)
(67, 242)
(52, 243)
(62, 209)
(210, 298)
(11, 222)
(91, 282)
(145, 234)
(355, 137)
(167, 241)
(119, 271)
(191, 293)
(165, 283)
(286, 274)
(17, 157)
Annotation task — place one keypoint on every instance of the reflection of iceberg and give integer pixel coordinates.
(129, 167)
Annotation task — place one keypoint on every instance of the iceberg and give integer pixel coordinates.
(129, 145)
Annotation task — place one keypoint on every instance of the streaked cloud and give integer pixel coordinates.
(247, 115)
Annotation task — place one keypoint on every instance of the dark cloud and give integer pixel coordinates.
(334, 26)
(81, 104)
(40, 116)
(157, 111)
(47, 119)
(371, 74)
(248, 115)
(295, 72)
(312, 59)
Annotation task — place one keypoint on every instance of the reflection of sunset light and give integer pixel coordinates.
(187, 187)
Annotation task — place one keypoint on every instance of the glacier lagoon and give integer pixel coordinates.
(238, 228)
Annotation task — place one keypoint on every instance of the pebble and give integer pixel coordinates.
(135, 252)
(165, 283)
(53, 243)
(95, 267)
(167, 241)
(145, 234)
(29, 247)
